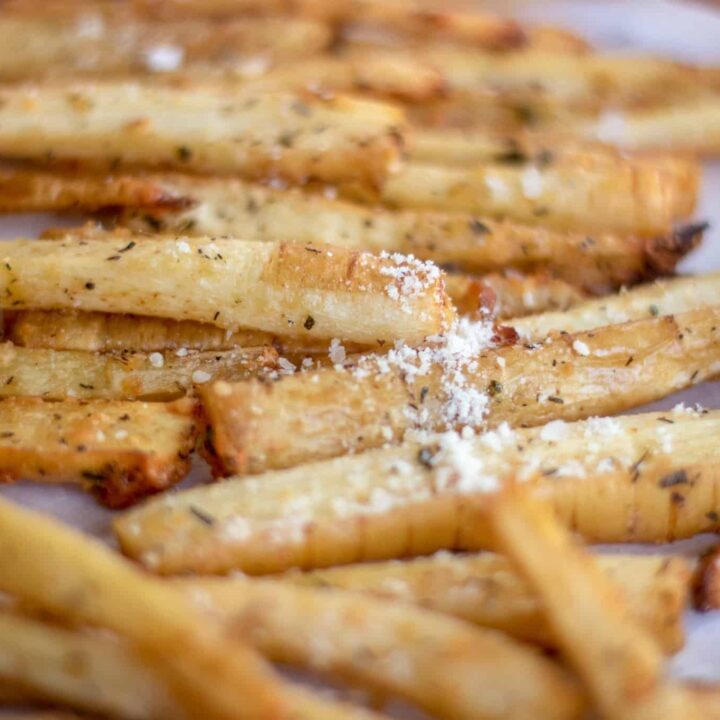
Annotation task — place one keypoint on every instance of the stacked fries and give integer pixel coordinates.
(392, 271)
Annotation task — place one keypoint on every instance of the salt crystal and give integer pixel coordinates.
(164, 58)
(580, 347)
(156, 359)
(532, 183)
(200, 376)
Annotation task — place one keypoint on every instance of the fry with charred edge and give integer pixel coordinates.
(229, 207)
(107, 676)
(643, 478)
(509, 295)
(60, 374)
(663, 297)
(310, 292)
(486, 590)
(36, 47)
(58, 570)
(707, 581)
(568, 197)
(460, 380)
(120, 451)
(619, 662)
(263, 136)
(447, 667)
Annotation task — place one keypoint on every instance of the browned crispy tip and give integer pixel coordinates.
(663, 253)
(706, 582)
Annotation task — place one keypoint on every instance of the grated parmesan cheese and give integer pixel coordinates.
(200, 376)
(413, 277)
(156, 359)
(532, 183)
(164, 58)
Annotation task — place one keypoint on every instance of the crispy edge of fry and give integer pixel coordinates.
(611, 480)
(107, 332)
(292, 289)
(60, 374)
(360, 142)
(103, 446)
(429, 659)
(485, 589)
(663, 297)
(375, 400)
(57, 569)
(620, 664)
(707, 580)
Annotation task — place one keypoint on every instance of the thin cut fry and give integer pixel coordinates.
(664, 297)
(451, 669)
(106, 676)
(267, 135)
(59, 374)
(58, 570)
(485, 589)
(643, 478)
(288, 289)
(86, 671)
(86, 45)
(619, 662)
(460, 381)
(118, 450)
(103, 332)
(576, 196)
(190, 205)
(31, 190)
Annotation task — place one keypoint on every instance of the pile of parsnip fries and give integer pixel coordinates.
(393, 270)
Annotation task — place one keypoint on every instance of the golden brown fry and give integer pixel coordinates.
(641, 478)
(120, 451)
(586, 197)
(707, 580)
(328, 412)
(619, 662)
(663, 297)
(486, 590)
(263, 135)
(102, 332)
(31, 190)
(230, 207)
(60, 374)
(56, 569)
(451, 669)
(294, 290)
(84, 44)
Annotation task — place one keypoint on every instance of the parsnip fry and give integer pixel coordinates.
(197, 206)
(30, 190)
(103, 332)
(59, 374)
(664, 297)
(287, 289)
(267, 135)
(83, 45)
(118, 450)
(486, 590)
(644, 478)
(510, 295)
(106, 676)
(86, 671)
(590, 196)
(58, 570)
(618, 660)
(462, 380)
(451, 669)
